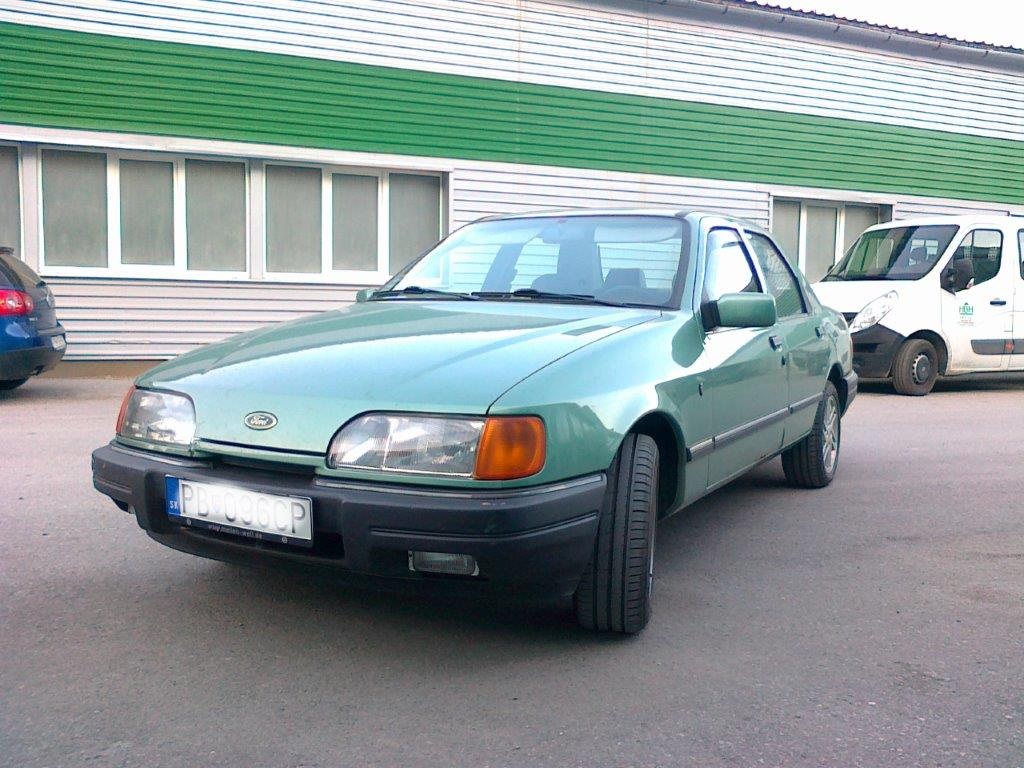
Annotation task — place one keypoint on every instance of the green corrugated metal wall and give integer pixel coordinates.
(68, 79)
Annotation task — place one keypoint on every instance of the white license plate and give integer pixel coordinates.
(58, 342)
(229, 509)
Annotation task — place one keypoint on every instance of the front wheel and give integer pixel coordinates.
(812, 462)
(916, 368)
(614, 594)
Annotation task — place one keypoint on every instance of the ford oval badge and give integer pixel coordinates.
(261, 420)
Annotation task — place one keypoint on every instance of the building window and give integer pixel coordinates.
(816, 233)
(294, 219)
(10, 200)
(74, 208)
(149, 214)
(215, 215)
(354, 222)
(415, 216)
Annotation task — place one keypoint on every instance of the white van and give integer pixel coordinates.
(924, 297)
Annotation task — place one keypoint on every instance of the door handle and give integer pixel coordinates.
(775, 341)
(998, 302)
(818, 331)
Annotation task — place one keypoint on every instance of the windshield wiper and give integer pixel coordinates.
(533, 293)
(416, 290)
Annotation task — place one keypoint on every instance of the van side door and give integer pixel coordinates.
(978, 320)
(1017, 356)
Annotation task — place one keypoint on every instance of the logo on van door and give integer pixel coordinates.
(966, 314)
(261, 420)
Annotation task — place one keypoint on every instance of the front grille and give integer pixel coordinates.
(263, 465)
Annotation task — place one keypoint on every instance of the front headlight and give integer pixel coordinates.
(157, 417)
(496, 448)
(874, 311)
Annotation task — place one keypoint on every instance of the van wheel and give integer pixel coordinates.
(812, 462)
(11, 384)
(614, 594)
(916, 368)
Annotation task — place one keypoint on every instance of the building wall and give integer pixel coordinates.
(518, 105)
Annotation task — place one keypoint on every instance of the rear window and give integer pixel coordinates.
(15, 273)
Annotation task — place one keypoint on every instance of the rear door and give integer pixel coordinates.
(745, 372)
(978, 321)
(1017, 358)
(807, 349)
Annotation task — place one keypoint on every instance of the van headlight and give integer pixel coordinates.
(874, 311)
(157, 417)
(483, 448)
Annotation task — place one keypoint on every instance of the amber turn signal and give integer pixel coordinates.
(124, 409)
(510, 447)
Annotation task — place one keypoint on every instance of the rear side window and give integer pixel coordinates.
(15, 273)
(782, 284)
(727, 266)
(984, 249)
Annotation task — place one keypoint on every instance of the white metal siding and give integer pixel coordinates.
(108, 318)
(579, 45)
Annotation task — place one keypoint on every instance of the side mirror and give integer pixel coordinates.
(741, 310)
(364, 294)
(957, 276)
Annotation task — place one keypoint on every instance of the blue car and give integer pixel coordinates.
(31, 339)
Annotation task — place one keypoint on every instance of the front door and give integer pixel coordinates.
(978, 321)
(746, 375)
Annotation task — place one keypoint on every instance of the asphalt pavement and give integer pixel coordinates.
(879, 622)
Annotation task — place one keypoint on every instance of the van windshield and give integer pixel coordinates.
(896, 253)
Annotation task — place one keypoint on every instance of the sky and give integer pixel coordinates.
(1000, 22)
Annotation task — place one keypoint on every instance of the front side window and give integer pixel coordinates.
(983, 248)
(894, 253)
(629, 260)
(728, 268)
(782, 284)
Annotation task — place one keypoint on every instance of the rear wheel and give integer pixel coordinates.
(11, 384)
(812, 462)
(614, 594)
(916, 368)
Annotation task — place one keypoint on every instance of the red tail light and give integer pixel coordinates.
(15, 303)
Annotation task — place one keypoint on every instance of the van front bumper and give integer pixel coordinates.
(532, 542)
(873, 351)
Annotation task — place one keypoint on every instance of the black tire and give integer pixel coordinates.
(915, 368)
(812, 463)
(614, 594)
(11, 384)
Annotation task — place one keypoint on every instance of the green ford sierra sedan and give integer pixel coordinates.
(513, 412)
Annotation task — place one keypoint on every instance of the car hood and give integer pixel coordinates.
(851, 296)
(317, 373)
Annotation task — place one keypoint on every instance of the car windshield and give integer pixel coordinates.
(628, 260)
(895, 253)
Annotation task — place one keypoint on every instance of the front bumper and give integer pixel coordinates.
(873, 351)
(534, 541)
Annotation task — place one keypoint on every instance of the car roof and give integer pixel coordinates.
(963, 220)
(653, 211)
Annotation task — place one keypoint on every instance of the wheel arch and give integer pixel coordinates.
(665, 432)
(936, 341)
(835, 375)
